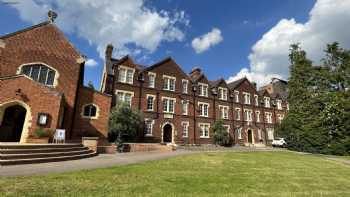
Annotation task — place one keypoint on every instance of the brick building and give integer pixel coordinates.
(181, 108)
(41, 85)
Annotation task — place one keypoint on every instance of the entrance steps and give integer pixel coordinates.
(15, 154)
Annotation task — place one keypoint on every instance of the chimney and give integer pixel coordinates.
(109, 51)
(254, 84)
(196, 71)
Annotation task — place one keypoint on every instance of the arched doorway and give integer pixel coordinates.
(250, 136)
(167, 133)
(12, 123)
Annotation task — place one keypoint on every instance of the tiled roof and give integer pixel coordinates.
(236, 83)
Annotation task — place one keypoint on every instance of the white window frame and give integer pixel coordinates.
(267, 102)
(152, 85)
(185, 126)
(279, 104)
(201, 126)
(168, 105)
(257, 115)
(248, 115)
(259, 134)
(184, 88)
(238, 111)
(222, 109)
(222, 93)
(270, 133)
(169, 79)
(246, 98)
(90, 117)
(202, 111)
(124, 80)
(268, 116)
(239, 133)
(280, 117)
(203, 89)
(124, 92)
(236, 93)
(183, 103)
(148, 96)
(256, 99)
(146, 126)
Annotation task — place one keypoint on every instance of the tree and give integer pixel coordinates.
(124, 122)
(221, 136)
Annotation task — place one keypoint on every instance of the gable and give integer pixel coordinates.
(169, 67)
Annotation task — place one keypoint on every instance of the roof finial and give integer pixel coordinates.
(51, 16)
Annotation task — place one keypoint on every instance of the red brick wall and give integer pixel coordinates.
(39, 98)
(85, 127)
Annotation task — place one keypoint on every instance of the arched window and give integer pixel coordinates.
(90, 111)
(40, 73)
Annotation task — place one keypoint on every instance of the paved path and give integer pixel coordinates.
(106, 160)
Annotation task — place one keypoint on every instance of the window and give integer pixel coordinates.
(184, 107)
(203, 89)
(280, 118)
(222, 93)
(203, 109)
(287, 107)
(248, 115)
(150, 102)
(246, 98)
(257, 114)
(169, 83)
(151, 80)
(204, 130)
(279, 104)
(268, 117)
(239, 133)
(238, 113)
(184, 86)
(168, 105)
(267, 102)
(223, 111)
(126, 75)
(89, 111)
(149, 127)
(185, 126)
(236, 93)
(270, 133)
(256, 98)
(124, 96)
(40, 73)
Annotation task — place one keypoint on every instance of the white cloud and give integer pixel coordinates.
(204, 42)
(90, 63)
(328, 22)
(129, 25)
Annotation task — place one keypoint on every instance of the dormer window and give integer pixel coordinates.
(151, 80)
(267, 102)
(169, 83)
(203, 89)
(126, 75)
(246, 98)
(222, 93)
(40, 73)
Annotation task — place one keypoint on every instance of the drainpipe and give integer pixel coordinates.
(194, 89)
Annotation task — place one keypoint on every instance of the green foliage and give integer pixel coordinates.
(319, 100)
(221, 136)
(124, 122)
(41, 133)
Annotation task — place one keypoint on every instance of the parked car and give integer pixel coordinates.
(279, 142)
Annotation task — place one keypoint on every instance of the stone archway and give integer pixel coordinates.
(15, 120)
(168, 130)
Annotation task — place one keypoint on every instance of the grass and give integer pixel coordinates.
(205, 174)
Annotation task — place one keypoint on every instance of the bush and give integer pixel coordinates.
(221, 136)
(41, 133)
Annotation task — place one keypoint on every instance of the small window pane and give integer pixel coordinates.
(35, 72)
(43, 74)
(26, 70)
(50, 77)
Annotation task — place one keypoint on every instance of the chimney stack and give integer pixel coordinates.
(109, 51)
(196, 71)
(51, 16)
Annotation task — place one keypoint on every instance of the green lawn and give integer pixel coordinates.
(206, 174)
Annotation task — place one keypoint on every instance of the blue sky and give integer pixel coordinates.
(252, 32)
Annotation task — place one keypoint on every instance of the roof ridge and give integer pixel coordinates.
(25, 29)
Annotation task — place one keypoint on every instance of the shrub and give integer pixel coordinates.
(221, 136)
(41, 133)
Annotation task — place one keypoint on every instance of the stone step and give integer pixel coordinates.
(41, 150)
(45, 160)
(43, 155)
(37, 146)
